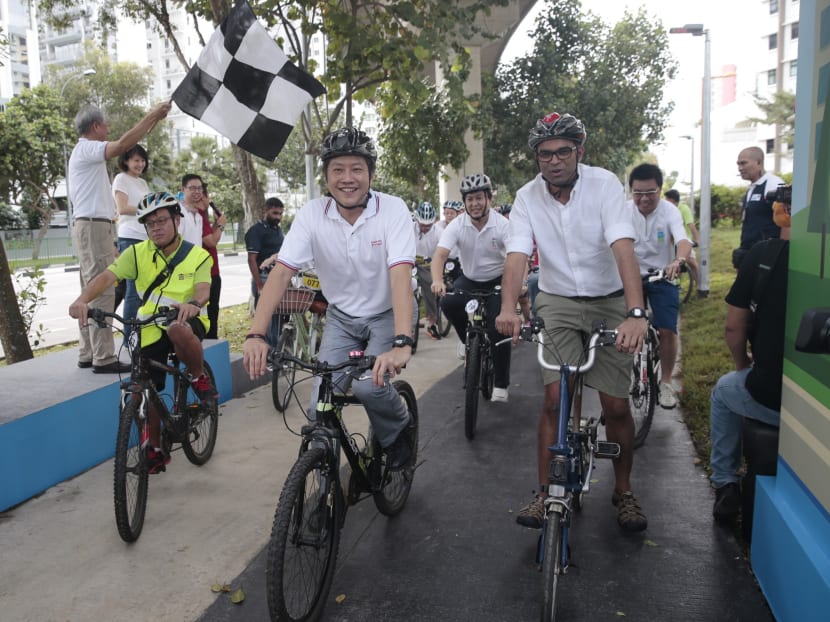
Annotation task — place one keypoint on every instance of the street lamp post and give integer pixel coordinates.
(698, 30)
(84, 73)
(692, 176)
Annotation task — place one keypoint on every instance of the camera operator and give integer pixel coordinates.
(755, 318)
(757, 222)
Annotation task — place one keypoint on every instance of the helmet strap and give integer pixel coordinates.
(363, 205)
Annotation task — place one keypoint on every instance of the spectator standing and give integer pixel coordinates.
(755, 318)
(128, 188)
(657, 223)
(191, 228)
(756, 211)
(673, 197)
(211, 234)
(94, 211)
(263, 241)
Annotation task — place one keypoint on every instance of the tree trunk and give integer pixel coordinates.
(12, 328)
(253, 197)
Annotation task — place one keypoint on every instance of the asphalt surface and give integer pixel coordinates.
(456, 553)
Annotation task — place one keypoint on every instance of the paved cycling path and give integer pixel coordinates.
(455, 553)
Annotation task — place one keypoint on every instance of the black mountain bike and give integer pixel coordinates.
(451, 272)
(302, 551)
(190, 422)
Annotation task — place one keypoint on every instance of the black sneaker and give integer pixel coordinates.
(432, 330)
(727, 502)
(399, 452)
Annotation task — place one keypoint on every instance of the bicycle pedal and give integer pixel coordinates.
(605, 449)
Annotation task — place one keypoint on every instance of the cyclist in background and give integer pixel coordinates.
(480, 235)
(673, 197)
(658, 223)
(452, 209)
(587, 271)
(426, 241)
(168, 271)
(362, 245)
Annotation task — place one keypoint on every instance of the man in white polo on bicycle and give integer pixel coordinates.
(659, 227)
(479, 235)
(427, 234)
(362, 245)
(587, 271)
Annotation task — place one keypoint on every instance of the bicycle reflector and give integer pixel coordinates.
(355, 355)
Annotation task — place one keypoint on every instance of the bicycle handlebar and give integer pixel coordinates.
(357, 359)
(164, 313)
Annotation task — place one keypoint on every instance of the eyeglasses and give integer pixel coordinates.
(195, 188)
(561, 154)
(638, 194)
(157, 223)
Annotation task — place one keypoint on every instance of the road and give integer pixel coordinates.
(63, 286)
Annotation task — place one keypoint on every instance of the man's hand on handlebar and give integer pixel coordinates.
(80, 311)
(255, 356)
(630, 334)
(438, 287)
(390, 363)
(509, 324)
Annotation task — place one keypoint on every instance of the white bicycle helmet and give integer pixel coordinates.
(425, 214)
(475, 183)
(458, 206)
(156, 201)
(555, 125)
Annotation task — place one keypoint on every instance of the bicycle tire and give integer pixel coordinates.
(488, 374)
(130, 474)
(441, 321)
(202, 425)
(472, 374)
(302, 550)
(552, 563)
(394, 491)
(643, 394)
(416, 316)
(686, 283)
(282, 380)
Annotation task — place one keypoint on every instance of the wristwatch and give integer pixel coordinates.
(402, 340)
(637, 312)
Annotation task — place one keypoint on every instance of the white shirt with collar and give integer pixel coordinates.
(89, 184)
(482, 252)
(191, 225)
(352, 261)
(574, 239)
(657, 234)
(426, 243)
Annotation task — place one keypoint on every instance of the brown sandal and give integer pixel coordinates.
(630, 515)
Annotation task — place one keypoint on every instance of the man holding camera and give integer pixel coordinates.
(756, 211)
(754, 317)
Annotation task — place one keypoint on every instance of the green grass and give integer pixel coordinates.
(705, 357)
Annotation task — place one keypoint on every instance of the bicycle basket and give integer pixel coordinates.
(295, 300)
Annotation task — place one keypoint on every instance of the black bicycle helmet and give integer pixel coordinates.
(156, 201)
(349, 141)
(555, 125)
(505, 209)
(475, 183)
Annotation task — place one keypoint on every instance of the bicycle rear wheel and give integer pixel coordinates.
(416, 321)
(643, 394)
(552, 564)
(202, 425)
(471, 379)
(130, 473)
(394, 490)
(302, 551)
(282, 379)
(441, 320)
(487, 373)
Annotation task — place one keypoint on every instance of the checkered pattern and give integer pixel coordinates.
(244, 87)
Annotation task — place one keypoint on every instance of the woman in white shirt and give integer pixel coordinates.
(129, 188)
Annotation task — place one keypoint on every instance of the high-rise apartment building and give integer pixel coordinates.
(20, 68)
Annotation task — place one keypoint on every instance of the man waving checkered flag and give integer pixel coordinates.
(244, 87)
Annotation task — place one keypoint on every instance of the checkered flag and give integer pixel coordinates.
(244, 87)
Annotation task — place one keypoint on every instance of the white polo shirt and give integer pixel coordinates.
(574, 240)
(352, 261)
(657, 234)
(482, 252)
(191, 225)
(135, 188)
(89, 183)
(426, 243)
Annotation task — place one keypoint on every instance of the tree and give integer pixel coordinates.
(32, 139)
(13, 333)
(611, 77)
(778, 111)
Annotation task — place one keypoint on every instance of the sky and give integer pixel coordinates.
(735, 39)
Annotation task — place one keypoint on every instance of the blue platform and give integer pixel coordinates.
(57, 421)
(791, 548)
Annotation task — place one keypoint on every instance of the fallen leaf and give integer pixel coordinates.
(696, 460)
(651, 543)
(220, 587)
(594, 481)
(238, 596)
(340, 598)
(621, 614)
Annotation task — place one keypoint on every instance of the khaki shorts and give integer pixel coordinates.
(568, 324)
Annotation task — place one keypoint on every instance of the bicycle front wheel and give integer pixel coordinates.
(130, 473)
(487, 373)
(441, 320)
(643, 396)
(552, 565)
(302, 552)
(282, 380)
(202, 425)
(686, 282)
(394, 489)
(472, 376)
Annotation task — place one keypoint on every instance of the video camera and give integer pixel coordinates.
(782, 194)
(814, 332)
